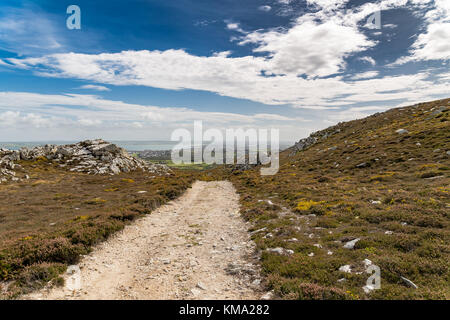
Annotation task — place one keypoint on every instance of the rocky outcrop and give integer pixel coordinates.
(7, 166)
(90, 156)
(314, 138)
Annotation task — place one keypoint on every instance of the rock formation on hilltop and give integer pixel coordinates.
(90, 156)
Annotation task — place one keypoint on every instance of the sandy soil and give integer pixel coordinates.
(196, 247)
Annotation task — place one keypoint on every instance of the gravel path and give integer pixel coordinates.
(196, 247)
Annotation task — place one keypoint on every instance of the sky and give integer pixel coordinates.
(139, 69)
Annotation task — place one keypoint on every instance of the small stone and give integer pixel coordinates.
(276, 250)
(367, 262)
(201, 286)
(347, 268)
(409, 283)
(351, 244)
(267, 296)
(368, 289)
(375, 202)
(329, 253)
(195, 292)
(311, 254)
(389, 232)
(256, 282)
(402, 131)
(362, 165)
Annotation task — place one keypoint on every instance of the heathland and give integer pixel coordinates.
(373, 191)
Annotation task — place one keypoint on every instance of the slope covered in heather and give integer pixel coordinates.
(380, 183)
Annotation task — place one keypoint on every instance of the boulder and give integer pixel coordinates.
(90, 156)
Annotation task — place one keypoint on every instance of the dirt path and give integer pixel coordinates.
(196, 247)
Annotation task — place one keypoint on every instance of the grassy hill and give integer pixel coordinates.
(383, 180)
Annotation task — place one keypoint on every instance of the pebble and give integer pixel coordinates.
(351, 244)
(347, 268)
(268, 296)
(409, 283)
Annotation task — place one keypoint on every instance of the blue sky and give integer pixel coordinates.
(139, 69)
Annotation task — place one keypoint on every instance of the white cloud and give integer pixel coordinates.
(365, 75)
(234, 77)
(93, 110)
(95, 87)
(434, 43)
(265, 8)
(234, 26)
(15, 118)
(24, 115)
(89, 122)
(327, 4)
(368, 59)
(311, 48)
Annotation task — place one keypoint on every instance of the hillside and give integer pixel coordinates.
(367, 192)
(380, 184)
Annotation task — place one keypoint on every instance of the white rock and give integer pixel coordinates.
(201, 286)
(409, 283)
(402, 131)
(276, 250)
(351, 244)
(367, 262)
(368, 289)
(268, 296)
(256, 282)
(195, 292)
(347, 268)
